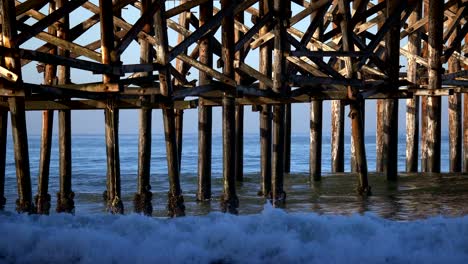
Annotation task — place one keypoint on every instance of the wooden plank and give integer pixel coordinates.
(72, 47)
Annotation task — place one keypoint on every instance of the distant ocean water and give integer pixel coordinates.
(419, 218)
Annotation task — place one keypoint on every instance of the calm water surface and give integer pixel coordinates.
(414, 196)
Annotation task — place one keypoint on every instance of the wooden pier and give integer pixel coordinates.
(266, 54)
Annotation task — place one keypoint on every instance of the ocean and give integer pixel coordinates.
(420, 218)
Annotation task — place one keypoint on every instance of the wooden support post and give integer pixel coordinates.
(142, 200)
(229, 200)
(412, 105)
(65, 203)
(279, 86)
(42, 198)
(204, 112)
(114, 202)
(455, 110)
(287, 138)
(24, 204)
(265, 111)
(179, 113)
(316, 109)
(379, 138)
(390, 112)
(353, 164)
(465, 125)
(239, 56)
(355, 109)
(337, 136)
(337, 131)
(316, 115)
(3, 144)
(175, 203)
(435, 34)
(424, 99)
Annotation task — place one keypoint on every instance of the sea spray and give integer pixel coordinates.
(271, 236)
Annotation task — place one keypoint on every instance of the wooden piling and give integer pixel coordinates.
(287, 138)
(175, 203)
(279, 86)
(142, 199)
(390, 113)
(316, 110)
(111, 113)
(65, 203)
(355, 103)
(455, 110)
(465, 125)
(379, 137)
(412, 104)
(24, 203)
(204, 112)
(229, 200)
(316, 124)
(337, 136)
(424, 99)
(435, 34)
(42, 199)
(239, 56)
(179, 113)
(265, 110)
(3, 145)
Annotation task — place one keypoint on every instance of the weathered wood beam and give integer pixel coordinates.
(47, 21)
(3, 145)
(142, 200)
(229, 200)
(25, 6)
(111, 113)
(175, 199)
(316, 124)
(58, 60)
(24, 204)
(355, 105)
(137, 27)
(455, 100)
(184, 7)
(390, 106)
(239, 109)
(433, 136)
(204, 112)
(412, 104)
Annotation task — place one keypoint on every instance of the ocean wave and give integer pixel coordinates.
(271, 236)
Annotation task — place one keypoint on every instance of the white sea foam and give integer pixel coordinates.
(270, 237)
